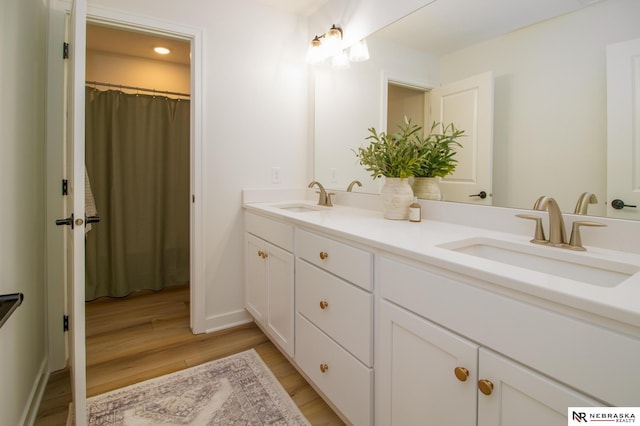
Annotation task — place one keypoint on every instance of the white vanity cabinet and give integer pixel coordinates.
(269, 275)
(446, 347)
(441, 344)
(416, 372)
(334, 322)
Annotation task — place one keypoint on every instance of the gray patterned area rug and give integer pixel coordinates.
(237, 390)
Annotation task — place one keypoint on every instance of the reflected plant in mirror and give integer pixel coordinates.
(437, 153)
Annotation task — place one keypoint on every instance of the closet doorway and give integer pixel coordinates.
(138, 151)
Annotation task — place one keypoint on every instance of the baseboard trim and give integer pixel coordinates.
(37, 392)
(227, 320)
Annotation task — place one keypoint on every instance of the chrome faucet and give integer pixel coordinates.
(557, 234)
(355, 182)
(325, 198)
(584, 200)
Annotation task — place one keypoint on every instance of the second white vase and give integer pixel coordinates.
(427, 188)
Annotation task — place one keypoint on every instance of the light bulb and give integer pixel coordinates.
(315, 53)
(161, 50)
(332, 43)
(359, 52)
(340, 61)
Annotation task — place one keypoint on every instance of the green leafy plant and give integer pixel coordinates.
(408, 152)
(391, 155)
(437, 150)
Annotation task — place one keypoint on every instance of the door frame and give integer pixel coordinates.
(122, 20)
(56, 96)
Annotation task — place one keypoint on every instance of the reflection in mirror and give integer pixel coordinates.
(550, 103)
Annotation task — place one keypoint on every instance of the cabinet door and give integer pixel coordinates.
(256, 278)
(521, 396)
(280, 296)
(416, 364)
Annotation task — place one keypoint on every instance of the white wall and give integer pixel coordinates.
(132, 71)
(22, 100)
(255, 117)
(550, 97)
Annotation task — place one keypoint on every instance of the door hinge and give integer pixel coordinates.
(65, 187)
(65, 323)
(65, 50)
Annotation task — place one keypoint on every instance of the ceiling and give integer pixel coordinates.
(445, 26)
(298, 7)
(132, 43)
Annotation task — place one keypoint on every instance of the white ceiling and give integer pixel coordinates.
(448, 25)
(299, 7)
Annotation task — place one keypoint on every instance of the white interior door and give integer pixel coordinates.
(469, 105)
(74, 147)
(623, 130)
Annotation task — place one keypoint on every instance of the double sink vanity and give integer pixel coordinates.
(439, 322)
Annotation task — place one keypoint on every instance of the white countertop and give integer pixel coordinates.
(421, 241)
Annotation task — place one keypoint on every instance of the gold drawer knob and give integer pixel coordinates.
(261, 253)
(485, 386)
(324, 367)
(461, 373)
(324, 304)
(324, 255)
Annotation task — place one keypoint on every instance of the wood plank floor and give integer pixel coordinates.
(147, 335)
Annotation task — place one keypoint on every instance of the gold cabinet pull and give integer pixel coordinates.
(324, 304)
(485, 386)
(324, 255)
(461, 373)
(261, 253)
(324, 367)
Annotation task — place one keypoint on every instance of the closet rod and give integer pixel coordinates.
(142, 89)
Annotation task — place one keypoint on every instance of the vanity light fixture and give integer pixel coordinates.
(315, 54)
(161, 50)
(329, 45)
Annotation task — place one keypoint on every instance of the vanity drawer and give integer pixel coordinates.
(345, 381)
(351, 263)
(278, 233)
(340, 309)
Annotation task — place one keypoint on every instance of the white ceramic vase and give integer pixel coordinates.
(396, 197)
(426, 188)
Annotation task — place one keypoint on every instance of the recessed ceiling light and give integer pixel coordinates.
(161, 50)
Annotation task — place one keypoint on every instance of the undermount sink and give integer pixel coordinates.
(553, 261)
(300, 207)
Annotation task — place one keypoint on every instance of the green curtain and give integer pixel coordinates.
(137, 157)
